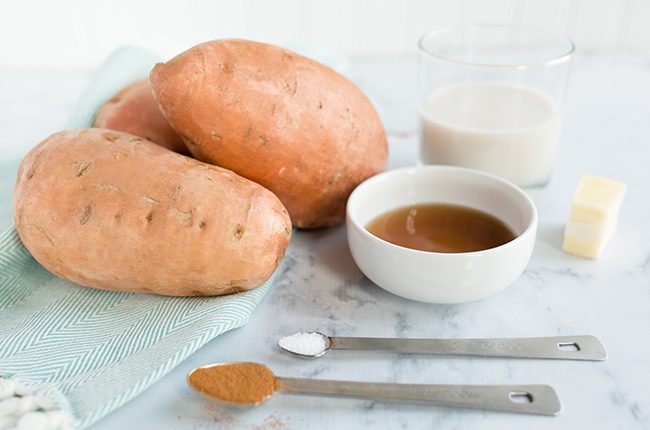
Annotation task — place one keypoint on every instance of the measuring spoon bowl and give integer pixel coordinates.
(312, 344)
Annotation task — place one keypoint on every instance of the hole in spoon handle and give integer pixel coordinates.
(536, 399)
(568, 346)
(521, 397)
(580, 348)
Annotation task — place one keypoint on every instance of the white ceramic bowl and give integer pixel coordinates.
(432, 276)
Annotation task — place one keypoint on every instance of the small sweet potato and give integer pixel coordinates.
(134, 110)
(110, 210)
(282, 120)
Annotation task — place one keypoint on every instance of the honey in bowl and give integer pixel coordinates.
(439, 227)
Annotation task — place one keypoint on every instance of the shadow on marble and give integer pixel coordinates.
(333, 251)
(551, 234)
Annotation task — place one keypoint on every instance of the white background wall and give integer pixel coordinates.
(80, 33)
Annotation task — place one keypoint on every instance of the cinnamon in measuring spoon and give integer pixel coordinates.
(240, 383)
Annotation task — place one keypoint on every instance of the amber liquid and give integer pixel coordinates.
(441, 228)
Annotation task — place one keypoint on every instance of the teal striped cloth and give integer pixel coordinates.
(90, 351)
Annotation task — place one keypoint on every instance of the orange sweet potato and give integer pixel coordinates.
(291, 124)
(110, 210)
(134, 110)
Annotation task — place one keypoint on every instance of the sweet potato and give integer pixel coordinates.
(282, 120)
(134, 110)
(110, 210)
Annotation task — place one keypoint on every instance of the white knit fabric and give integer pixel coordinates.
(23, 410)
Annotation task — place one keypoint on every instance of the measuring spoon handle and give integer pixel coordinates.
(559, 347)
(527, 399)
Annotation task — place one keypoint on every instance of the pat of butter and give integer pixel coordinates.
(594, 215)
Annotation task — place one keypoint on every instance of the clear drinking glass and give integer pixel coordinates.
(491, 99)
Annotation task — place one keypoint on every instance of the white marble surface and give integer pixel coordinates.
(607, 132)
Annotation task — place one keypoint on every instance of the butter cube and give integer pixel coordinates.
(583, 249)
(594, 215)
(597, 200)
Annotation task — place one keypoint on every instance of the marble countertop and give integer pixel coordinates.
(606, 132)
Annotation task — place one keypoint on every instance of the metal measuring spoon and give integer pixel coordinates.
(584, 347)
(528, 399)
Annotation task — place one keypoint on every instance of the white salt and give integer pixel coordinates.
(311, 344)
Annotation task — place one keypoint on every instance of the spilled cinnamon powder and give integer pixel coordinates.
(272, 422)
(242, 383)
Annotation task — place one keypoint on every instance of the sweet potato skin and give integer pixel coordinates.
(291, 124)
(134, 110)
(110, 210)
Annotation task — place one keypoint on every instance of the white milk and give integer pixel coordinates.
(509, 130)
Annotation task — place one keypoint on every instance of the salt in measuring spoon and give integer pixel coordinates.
(583, 347)
(222, 382)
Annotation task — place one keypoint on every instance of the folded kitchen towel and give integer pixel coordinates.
(70, 355)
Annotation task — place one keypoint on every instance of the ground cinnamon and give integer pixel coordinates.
(243, 383)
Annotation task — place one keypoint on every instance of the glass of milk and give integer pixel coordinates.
(491, 99)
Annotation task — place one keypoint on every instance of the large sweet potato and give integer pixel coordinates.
(109, 210)
(282, 120)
